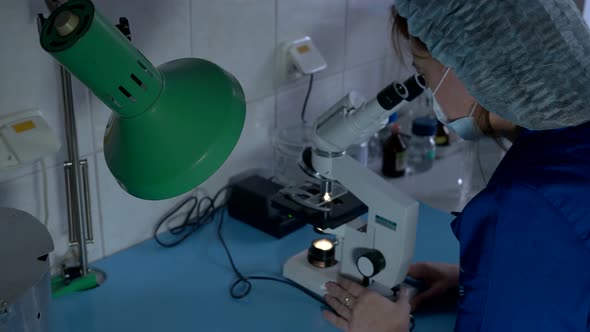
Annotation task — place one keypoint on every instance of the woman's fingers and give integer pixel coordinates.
(339, 322)
(340, 293)
(426, 296)
(342, 310)
(352, 287)
(419, 271)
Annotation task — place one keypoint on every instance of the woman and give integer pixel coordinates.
(496, 67)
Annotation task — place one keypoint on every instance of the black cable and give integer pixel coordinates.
(245, 280)
(307, 98)
(190, 224)
(207, 216)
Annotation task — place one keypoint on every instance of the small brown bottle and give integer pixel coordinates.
(394, 154)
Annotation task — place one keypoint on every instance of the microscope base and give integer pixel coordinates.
(299, 270)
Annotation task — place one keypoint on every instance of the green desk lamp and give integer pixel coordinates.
(172, 126)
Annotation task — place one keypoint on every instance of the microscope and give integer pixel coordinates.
(374, 248)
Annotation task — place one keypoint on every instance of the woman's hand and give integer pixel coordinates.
(442, 281)
(362, 310)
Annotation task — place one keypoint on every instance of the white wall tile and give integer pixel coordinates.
(99, 118)
(368, 31)
(238, 35)
(325, 93)
(371, 77)
(324, 21)
(28, 74)
(26, 193)
(84, 126)
(30, 79)
(254, 149)
(159, 29)
(400, 66)
(368, 79)
(23, 170)
(126, 220)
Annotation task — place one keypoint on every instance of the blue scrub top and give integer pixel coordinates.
(525, 239)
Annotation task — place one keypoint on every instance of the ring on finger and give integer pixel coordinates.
(339, 307)
(348, 302)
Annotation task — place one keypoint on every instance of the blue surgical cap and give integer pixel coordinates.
(525, 60)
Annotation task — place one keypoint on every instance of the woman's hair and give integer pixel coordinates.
(399, 30)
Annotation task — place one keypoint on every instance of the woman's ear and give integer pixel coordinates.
(453, 97)
(482, 118)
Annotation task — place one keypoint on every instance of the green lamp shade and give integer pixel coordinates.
(172, 127)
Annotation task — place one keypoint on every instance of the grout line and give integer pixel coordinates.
(303, 82)
(275, 84)
(383, 58)
(99, 205)
(33, 172)
(346, 17)
(92, 127)
(190, 25)
(50, 166)
(296, 86)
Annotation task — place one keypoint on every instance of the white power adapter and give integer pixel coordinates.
(300, 58)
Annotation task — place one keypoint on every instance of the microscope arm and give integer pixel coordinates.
(391, 225)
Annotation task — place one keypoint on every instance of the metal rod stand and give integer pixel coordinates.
(76, 177)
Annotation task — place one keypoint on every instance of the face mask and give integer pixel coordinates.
(465, 127)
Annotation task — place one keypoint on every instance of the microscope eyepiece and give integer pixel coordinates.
(392, 95)
(415, 85)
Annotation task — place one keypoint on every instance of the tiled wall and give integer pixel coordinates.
(240, 35)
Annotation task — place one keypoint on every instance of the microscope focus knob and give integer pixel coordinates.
(370, 263)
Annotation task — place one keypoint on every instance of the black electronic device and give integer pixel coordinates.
(250, 202)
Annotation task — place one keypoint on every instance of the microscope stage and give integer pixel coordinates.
(344, 209)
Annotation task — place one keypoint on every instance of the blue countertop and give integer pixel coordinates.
(186, 288)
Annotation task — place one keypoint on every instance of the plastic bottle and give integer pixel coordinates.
(360, 152)
(375, 148)
(394, 154)
(422, 147)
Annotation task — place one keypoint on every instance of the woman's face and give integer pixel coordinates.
(452, 95)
